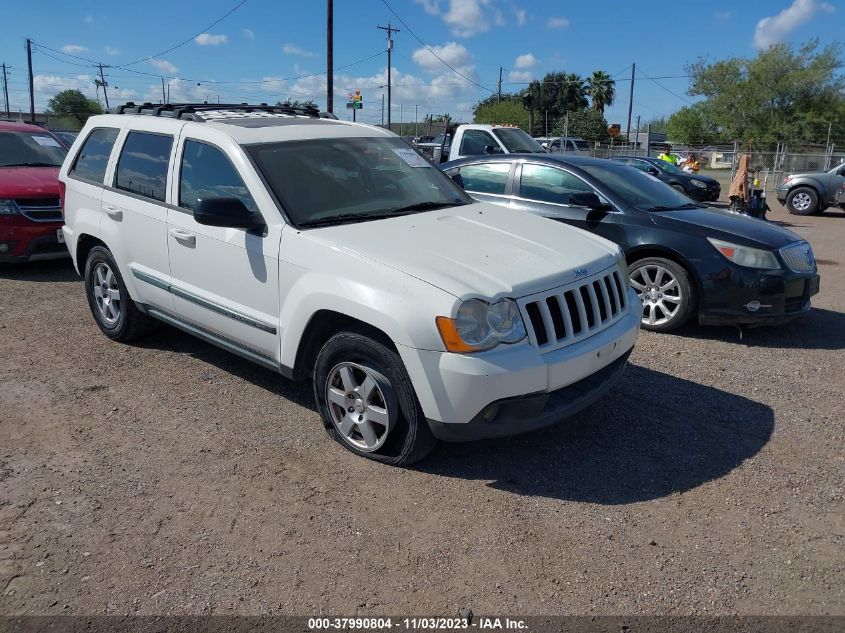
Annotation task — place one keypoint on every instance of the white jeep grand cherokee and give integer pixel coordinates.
(332, 250)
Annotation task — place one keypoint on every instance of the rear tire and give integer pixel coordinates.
(802, 201)
(367, 403)
(665, 291)
(114, 311)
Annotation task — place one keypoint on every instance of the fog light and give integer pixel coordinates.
(4, 247)
(489, 412)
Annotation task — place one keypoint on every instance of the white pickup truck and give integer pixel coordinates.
(476, 139)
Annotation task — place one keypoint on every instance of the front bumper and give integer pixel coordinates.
(710, 194)
(454, 389)
(734, 295)
(781, 193)
(31, 242)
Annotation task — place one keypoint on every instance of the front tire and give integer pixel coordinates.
(113, 309)
(802, 201)
(665, 291)
(367, 403)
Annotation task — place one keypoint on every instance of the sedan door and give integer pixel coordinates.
(486, 182)
(225, 280)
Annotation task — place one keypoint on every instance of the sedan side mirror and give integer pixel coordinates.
(226, 212)
(587, 199)
(653, 171)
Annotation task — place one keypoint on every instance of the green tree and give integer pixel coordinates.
(602, 90)
(558, 93)
(586, 123)
(691, 125)
(509, 111)
(658, 125)
(296, 103)
(73, 105)
(781, 94)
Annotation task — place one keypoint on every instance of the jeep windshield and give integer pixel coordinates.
(30, 149)
(326, 181)
(516, 141)
(639, 189)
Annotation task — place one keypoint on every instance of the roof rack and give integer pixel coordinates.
(213, 111)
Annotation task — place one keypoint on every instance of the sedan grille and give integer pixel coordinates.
(40, 209)
(799, 257)
(561, 317)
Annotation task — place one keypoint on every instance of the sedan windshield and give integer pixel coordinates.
(637, 188)
(516, 141)
(30, 149)
(325, 181)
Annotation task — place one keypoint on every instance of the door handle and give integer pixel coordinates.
(183, 236)
(113, 212)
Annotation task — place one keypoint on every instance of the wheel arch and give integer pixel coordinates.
(84, 244)
(645, 251)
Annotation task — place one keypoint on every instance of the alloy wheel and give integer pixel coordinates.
(106, 293)
(801, 201)
(358, 407)
(659, 292)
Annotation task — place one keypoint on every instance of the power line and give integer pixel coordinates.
(652, 79)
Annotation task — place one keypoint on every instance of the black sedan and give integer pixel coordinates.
(696, 186)
(684, 258)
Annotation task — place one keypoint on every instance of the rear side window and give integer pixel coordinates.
(94, 155)
(486, 178)
(207, 173)
(142, 167)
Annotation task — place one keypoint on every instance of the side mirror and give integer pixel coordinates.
(226, 212)
(587, 199)
(653, 171)
(492, 149)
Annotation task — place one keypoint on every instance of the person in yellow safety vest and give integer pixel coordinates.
(668, 156)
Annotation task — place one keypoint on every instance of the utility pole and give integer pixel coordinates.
(416, 133)
(103, 80)
(6, 92)
(637, 137)
(390, 30)
(330, 57)
(163, 94)
(499, 98)
(631, 100)
(31, 86)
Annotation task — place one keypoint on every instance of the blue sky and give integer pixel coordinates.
(256, 52)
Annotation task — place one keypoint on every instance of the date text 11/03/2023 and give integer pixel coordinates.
(416, 624)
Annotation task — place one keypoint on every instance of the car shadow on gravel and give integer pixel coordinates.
(818, 329)
(52, 270)
(651, 436)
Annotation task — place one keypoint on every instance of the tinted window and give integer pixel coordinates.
(549, 184)
(142, 167)
(475, 142)
(640, 164)
(486, 178)
(35, 149)
(206, 173)
(642, 190)
(94, 155)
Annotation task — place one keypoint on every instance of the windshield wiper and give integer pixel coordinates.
(360, 217)
(428, 205)
(686, 205)
(31, 165)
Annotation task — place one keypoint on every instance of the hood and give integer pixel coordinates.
(477, 250)
(726, 225)
(29, 182)
(707, 179)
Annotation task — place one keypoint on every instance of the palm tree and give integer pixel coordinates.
(573, 93)
(602, 90)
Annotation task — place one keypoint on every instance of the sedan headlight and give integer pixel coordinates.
(698, 183)
(9, 207)
(746, 256)
(480, 325)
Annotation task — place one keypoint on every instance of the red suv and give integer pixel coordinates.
(30, 206)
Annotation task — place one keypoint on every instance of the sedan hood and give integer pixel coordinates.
(29, 182)
(726, 225)
(477, 250)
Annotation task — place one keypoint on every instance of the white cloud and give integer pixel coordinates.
(452, 53)
(431, 6)
(164, 66)
(520, 76)
(73, 49)
(723, 16)
(557, 23)
(183, 91)
(248, 34)
(773, 29)
(525, 61)
(521, 16)
(293, 49)
(207, 39)
(110, 50)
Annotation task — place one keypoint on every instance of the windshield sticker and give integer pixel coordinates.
(46, 141)
(411, 157)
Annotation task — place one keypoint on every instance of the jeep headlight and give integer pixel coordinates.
(698, 183)
(479, 325)
(746, 256)
(9, 207)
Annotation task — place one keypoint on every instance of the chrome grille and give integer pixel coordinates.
(799, 257)
(40, 209)
(560, 317)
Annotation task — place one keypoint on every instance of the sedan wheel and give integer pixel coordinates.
(665, 292)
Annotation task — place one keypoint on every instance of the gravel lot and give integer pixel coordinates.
(169, 477)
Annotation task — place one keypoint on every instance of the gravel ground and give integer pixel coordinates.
(168, 477)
